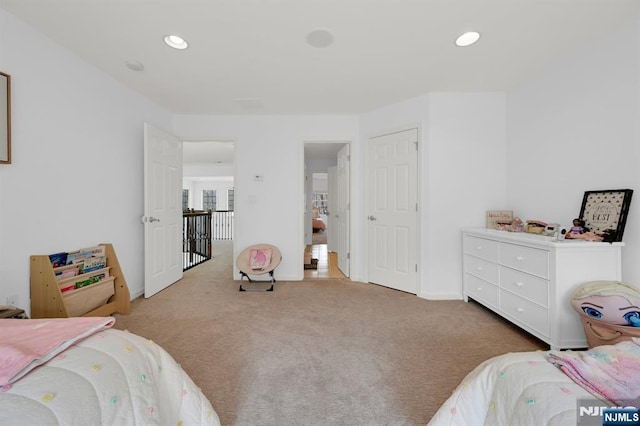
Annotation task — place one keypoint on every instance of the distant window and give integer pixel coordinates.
(230, 199)
(209, 199)
(185, 200)
(319, 201)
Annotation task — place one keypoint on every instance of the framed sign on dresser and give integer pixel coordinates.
(529, 279)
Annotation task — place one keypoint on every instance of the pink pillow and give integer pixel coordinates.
(260, 258)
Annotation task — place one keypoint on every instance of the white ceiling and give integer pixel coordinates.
(251, 56)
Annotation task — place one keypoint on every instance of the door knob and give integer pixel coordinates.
(371, 218)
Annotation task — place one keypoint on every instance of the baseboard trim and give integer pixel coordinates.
(441, 296)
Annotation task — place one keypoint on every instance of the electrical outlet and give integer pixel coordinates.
(12, 300)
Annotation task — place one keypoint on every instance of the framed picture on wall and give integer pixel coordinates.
(498, 218)
(605, 212)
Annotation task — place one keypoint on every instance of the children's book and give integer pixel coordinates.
(77, 257)
(94, 251)
(67, 287)
(71, 272)
(58, 259)
(94, 263)
(89, 281)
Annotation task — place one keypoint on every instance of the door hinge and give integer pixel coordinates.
(349, 157)
(348, 256)
(416, 142)
(416, 267)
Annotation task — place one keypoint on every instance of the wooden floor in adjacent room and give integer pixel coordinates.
(327, 263)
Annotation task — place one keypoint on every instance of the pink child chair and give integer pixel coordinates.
(258, 259)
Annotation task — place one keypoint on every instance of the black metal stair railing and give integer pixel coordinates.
(199, 228)
(196, 238)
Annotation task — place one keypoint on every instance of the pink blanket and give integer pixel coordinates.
(28, 343)
(611, 372)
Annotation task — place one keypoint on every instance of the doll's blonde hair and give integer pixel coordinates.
(607, 288)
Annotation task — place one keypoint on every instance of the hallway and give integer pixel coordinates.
(327, 263)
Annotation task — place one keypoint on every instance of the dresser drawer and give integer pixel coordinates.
(480, 247)
(481, 268)
(482, 291)
(527, 259)
(525, 312)
(525, 285)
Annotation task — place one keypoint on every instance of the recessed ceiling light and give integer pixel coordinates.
(320, 38)
(176, 42)
(467, 39)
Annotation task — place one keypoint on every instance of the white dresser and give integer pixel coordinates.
(529, 279)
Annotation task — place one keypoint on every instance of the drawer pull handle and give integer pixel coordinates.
(519, 284)
(520, 310)
(519, 258)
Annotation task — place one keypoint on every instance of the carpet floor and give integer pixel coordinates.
(319, 237)
(318, 352)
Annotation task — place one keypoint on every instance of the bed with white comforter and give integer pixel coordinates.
(544, 388)
(104, 377)
(513, 389)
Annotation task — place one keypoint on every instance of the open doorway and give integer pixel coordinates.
(326, 216)
(319, 207)
(208, 185)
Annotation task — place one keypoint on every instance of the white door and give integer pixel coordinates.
(332, 225)
(162, 210)
(392, 170)
(342, 210)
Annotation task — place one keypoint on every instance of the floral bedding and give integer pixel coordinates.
(111, 377)
(513, 389)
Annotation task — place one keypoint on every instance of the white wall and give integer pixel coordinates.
(464, 176)
(193, 170)
(574, 127)
(269, 211)
(461, 173)
(76, 178)
(320, 181)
